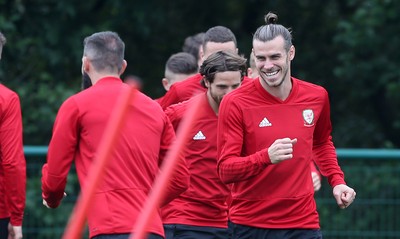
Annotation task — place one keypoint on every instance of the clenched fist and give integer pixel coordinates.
(281, 149)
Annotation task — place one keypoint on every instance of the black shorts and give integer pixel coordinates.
(124, 236)
(4, 228)
(247, 232)
(180, 231)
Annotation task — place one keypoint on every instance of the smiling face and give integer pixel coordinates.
(273, 62)
(224, 82)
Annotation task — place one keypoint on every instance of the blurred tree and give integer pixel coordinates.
(342, 45)
(347, 46)
(367, 85)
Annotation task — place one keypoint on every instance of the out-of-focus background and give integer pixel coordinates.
(351, 47)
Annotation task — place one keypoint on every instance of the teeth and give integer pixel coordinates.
(271, 73)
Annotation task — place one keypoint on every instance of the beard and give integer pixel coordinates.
(86, 81)
(216, 98)
(276, 83)
(284, 72)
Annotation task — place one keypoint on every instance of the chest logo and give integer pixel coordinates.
(308, 116)
(264, 123)
(199, 136)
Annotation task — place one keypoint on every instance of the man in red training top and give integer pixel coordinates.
(268, 132)
(178, 67)
(217, 38)
(202, 211)
(136, 156)
(315, 175)
(12, 163)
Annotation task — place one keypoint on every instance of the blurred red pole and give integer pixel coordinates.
(78, 218)
(166, 171)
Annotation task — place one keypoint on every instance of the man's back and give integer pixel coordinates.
(133, 164)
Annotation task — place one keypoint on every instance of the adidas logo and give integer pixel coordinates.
(264, 123)
(199, 136)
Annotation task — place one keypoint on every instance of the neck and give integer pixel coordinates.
(95, 77)
(282, 91)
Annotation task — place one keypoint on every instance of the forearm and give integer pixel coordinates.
(52, 187)
(178, 184)
(326, 159)
(234, 169)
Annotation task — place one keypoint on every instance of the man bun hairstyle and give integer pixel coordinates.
(272, 29)
(271, 18)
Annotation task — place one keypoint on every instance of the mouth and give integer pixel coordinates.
(269, 74)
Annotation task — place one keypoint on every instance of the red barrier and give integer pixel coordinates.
(77, 220)
(166, 171)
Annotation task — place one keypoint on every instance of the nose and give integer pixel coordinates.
(268, 64)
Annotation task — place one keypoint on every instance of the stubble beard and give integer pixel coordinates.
(86, 81)
(276, 83)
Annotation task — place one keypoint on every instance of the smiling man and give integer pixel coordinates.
(268, 132)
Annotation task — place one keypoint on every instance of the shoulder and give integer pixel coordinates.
(177, 110)
(308, 86)
(194, 80)
(7, 93)
(9, 100)
(144, 100)
(246, 90)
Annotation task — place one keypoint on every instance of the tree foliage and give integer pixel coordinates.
(349, 47)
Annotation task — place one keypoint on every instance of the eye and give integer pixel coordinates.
(222, 87)
(275, 57)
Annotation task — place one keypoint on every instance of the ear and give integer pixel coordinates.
(292, 52)
(249, 72)
(201, 51)
(165, 83)
(123, 67)
(206, 83)
(85, 64)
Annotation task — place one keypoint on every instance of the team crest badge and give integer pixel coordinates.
(308, 116)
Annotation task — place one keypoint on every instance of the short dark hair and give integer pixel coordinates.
(105, 50)
(219, 34)
(222, 61)
(272, 29)
(192, 44)
(182, 63)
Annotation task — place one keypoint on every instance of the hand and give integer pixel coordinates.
(47, 205)
(316, 179)
(14, 232)
(344, 195)
(281, 150)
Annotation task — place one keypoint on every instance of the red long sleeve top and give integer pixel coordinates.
(186, 89)
(279, 195)
(182, 90)
(12, 160)
(204, 203)
(135, 160)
